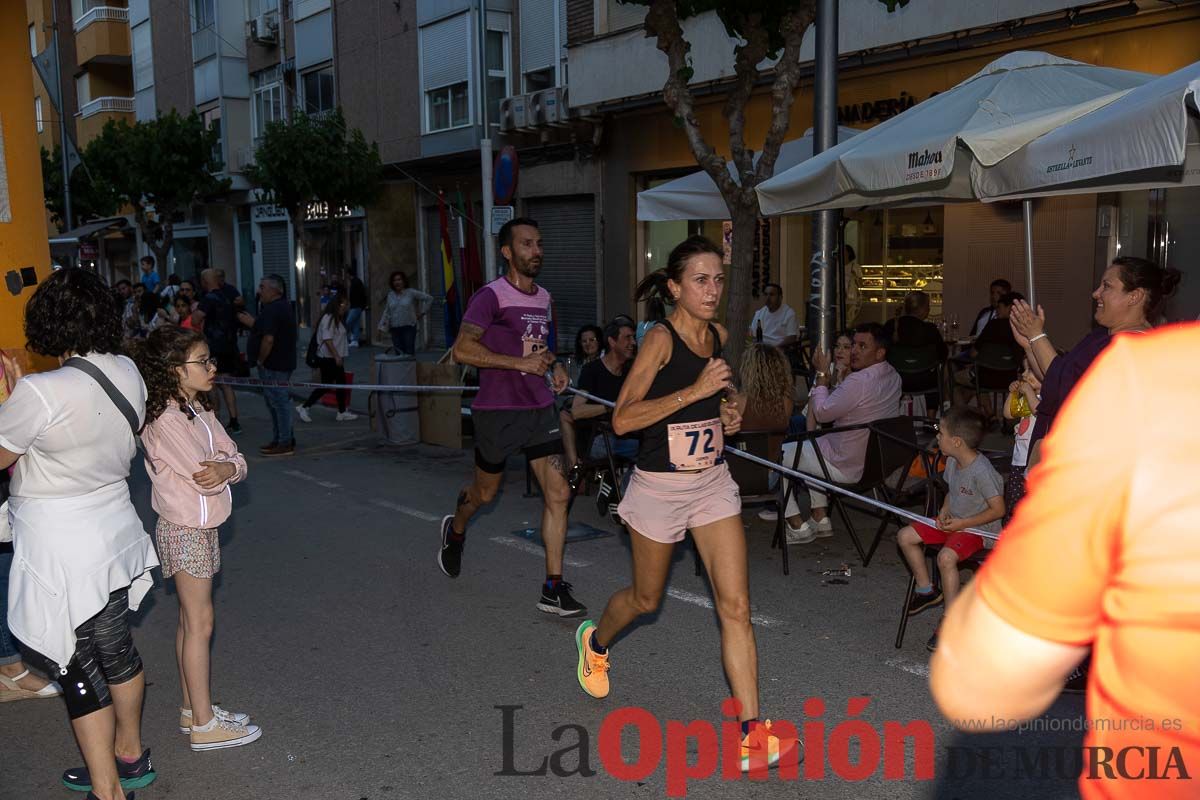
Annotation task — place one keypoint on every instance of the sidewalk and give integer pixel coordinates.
(360, 362)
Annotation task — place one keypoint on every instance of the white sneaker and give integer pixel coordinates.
(302, 413)
(823, 529)
(802, 535)
(185, 717)
(354, 344)
(769, 514)
(346, 416)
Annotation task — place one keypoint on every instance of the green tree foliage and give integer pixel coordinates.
(160, 168)
(89, 198)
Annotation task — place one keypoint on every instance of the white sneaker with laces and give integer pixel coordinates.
(802, 535)
(769, 514)
(823, 529)
(346, 416)
(185, 717)
(302, 413)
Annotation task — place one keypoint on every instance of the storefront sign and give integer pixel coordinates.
(88, 251)
(318, 211)
(266, 212)
(876, 110)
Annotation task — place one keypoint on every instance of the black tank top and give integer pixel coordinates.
(677, 374)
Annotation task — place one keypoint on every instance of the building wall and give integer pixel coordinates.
(647, 141)
(392, 244)
(171, 40)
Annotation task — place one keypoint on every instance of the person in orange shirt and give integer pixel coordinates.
(1103, 552)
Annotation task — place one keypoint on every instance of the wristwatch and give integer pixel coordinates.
(820, 375)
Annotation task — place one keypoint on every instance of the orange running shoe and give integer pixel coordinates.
(762, 746)
(593, 667)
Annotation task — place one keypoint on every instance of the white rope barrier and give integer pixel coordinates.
(807, 480)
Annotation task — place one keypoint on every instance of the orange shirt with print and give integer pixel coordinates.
(1105, 550)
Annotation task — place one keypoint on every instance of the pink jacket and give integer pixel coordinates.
(175, 446)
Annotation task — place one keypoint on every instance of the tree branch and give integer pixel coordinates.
(747, 57)
(662, 22)
(783, 90)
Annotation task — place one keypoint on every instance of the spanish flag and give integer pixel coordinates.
(453, 314)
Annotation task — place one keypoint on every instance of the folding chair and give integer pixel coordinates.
(891, 447)
(996, 367)
(754, 480)
(921, 371)
(931, 550)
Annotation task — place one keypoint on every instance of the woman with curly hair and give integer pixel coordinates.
(192, 462)
(82, 560)
(766, 397)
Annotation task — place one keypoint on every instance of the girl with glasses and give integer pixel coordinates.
(191, 462)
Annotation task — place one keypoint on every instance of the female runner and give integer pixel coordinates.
(674, 394)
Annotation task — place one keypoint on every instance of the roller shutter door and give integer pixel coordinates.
(568, 227)
(275, 249)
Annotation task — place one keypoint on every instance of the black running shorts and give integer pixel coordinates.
(502, 433)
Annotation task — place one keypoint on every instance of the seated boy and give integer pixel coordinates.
(975, 500)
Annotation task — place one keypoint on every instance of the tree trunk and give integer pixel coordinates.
(738, 314)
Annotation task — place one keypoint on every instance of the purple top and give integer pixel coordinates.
(1065, 371)
(514, 324)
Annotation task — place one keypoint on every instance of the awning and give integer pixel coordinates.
(90, 229)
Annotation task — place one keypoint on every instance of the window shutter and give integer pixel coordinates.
(444, 51)
(537, 35)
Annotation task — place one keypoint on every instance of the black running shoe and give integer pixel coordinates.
(450, 555)
(575, 476)
(133, 776)
(920, 602)
(559, 601)
(603, 493)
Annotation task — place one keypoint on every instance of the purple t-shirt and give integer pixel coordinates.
(514, 324)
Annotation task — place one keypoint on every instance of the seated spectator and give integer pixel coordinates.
(870, 392)
(975, 500)
(602, 377)
(775, 323)
(996, 333)
(998, 289)
(588, 346)
(913, 329)
(766, 399)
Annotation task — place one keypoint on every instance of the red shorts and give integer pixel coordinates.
(964, 544)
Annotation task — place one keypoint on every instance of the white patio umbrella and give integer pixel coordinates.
(696, 196)
(1148, 138)
(925, 155)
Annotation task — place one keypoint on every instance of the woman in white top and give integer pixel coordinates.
(404, 307)
(332, 349)
(82, 559)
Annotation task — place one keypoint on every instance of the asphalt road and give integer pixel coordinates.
(376, 677)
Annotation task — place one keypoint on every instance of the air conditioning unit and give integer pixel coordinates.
(549, 106)
(514, 113)
(264, 29)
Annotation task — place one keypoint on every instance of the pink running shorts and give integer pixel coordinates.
(663, 506)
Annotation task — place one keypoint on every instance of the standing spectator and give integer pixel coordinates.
(192, 462)
(1022, 406)
(332, 350)
(1102, 554)
(183, 312)
(150, 277)
(871, 392)
(217, 317)
(357, 293)
(272, 347)
(998, 289)
(775, 323)
(401, 312)
(1131, 292)
(853, 277)
(602, 377)
(187, 290)
(82, 560)
(172, 287)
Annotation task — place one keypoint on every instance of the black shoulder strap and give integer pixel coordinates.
(118, 399)
(716, 340)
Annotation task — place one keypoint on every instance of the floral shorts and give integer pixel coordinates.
(196, 551)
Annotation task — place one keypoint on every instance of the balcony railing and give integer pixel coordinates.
(103, 105)
(102, 14)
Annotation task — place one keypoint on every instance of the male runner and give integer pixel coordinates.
(507, 333)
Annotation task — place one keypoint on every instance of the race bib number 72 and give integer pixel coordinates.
(695, 445)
